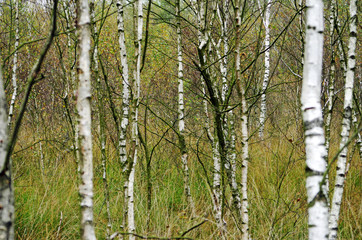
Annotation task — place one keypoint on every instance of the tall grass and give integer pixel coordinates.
(47, 205)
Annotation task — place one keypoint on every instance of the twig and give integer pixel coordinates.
(146, 237)
(193, 227)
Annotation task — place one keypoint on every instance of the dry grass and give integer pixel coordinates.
(276, 195)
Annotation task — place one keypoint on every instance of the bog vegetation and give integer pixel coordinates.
(195, 113)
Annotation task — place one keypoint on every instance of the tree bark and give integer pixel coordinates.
(313, 122)
(346, 123)
(266, 21)
(84, 122)
(6, 182)
(15, 66)
(181, 112)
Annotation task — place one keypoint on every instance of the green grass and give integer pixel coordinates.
(277, 198)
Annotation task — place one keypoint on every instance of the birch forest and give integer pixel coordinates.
(180, 119)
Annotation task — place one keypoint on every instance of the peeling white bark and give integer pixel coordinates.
(313, 122)
(15, 64)
(331, 77)
(6, 182)
(244, 130)
(330, 93)
(126, 85)
(266, 22)
(84, 123)
(102, 123)
(346, 123)
(181, 112)
(217, 186)
(138, 45)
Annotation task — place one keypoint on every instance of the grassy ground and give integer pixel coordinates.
(47, 203)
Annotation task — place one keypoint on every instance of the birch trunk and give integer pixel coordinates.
(228, 125)
(331, 77)
(138, 53)
(15, 66)
(244, 128)
(102, 123)
(346, 122)
(313, 122)
(330, 93)
(266, 21)
(181, 112)
(125, 83)
(217, 187)
(125, 104)
(6, 182)
(84, 123)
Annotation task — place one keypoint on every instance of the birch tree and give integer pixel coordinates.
(102, 120)
(266, 21)
(125, 83)
(181, 111)
(346, 123)
(84, 122)
(15, 64)
(125, 101)
(217, 195)
(136, 100)
(6, 182)
(313, 122)
(244, 126)
(331, 76)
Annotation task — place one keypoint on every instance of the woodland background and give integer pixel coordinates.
(44, 160)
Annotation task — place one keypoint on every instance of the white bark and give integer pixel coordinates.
(330, 93)
(266, 22)
(125, 83)
(217, 187)
(244, 170)
(331, 78)
(346, 122)
(138, 45)
(125, 103)
(244, 130)
(313, 122)
(181, 112)
(102, 123)
(84, 123)
(6, 182)
(15, 64)
(228, 124)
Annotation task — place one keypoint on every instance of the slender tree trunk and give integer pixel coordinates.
(102, 122)
(244, 128)
(71, 80)
(6, 182)
(126, 96)
(15, 64)
(313, 122)
(331, 77)
(181, 112)
(217, 196)
(346, 122)
(125, 83)
(136, 99)
(266, 21)
(228, 125)
(330, 93)
(84, 122)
